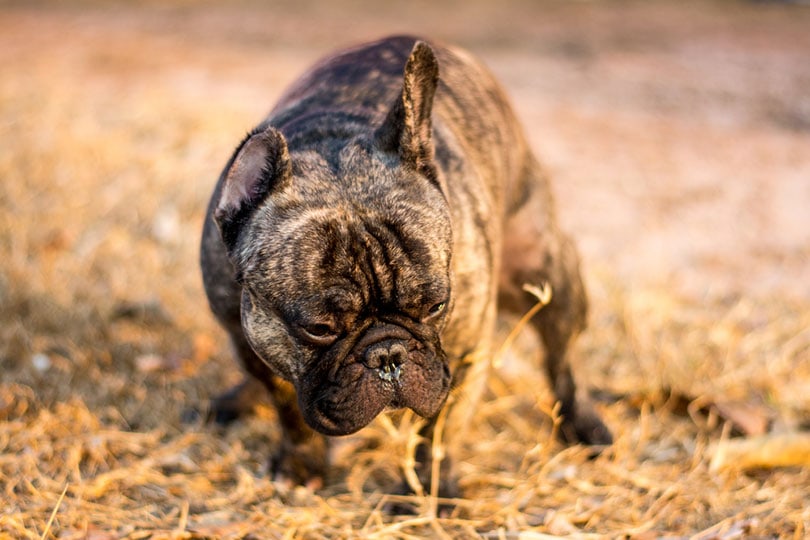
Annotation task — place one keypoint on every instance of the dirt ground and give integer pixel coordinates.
(677, 135)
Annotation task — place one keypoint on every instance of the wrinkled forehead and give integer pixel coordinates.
(344, 260)
(405, 238)
(355, 190)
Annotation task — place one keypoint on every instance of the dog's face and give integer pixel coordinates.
(348, 300)
(344, 258)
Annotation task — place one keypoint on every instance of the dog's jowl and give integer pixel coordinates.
(361, 239)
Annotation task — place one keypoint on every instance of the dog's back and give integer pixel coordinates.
(342, 95)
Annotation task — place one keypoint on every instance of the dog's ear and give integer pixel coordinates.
(261, 165)
(407, 127)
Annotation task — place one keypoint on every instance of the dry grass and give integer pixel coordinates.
(114, 123)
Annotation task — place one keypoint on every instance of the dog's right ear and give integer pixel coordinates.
(406, 129)
(261, 165)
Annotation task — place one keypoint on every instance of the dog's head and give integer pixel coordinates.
(345, 262)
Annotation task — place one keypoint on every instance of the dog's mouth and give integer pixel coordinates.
(387, 368)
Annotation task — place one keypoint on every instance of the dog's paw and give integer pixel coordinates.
(218, 411)
(407, 502)
(591, 430)
(585, 427)
(303, 464)
(236, 402)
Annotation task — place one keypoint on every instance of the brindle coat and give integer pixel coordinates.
(361, 239)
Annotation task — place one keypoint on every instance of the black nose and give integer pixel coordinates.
(387, 358)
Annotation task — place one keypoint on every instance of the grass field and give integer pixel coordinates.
(677, 135)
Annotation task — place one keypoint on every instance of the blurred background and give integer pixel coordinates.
(676, 134)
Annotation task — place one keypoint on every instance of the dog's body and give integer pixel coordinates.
(362, 238)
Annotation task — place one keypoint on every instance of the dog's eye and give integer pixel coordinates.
(435, 309)
(319, 333)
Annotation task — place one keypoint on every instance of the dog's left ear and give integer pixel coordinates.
(260, 166)
(407, 128)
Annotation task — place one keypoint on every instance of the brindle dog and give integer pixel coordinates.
(361, 239)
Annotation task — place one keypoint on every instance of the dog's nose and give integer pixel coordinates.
(387, 358)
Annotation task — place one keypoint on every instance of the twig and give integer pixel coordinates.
(53, 514)
(543, 298)
(437, 453)
(183, 523)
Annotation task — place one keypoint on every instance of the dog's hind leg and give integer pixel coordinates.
(536, 252)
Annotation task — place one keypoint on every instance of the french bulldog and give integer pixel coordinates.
(362, 238)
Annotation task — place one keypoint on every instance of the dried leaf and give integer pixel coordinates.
(748, 418)
(768, 451)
